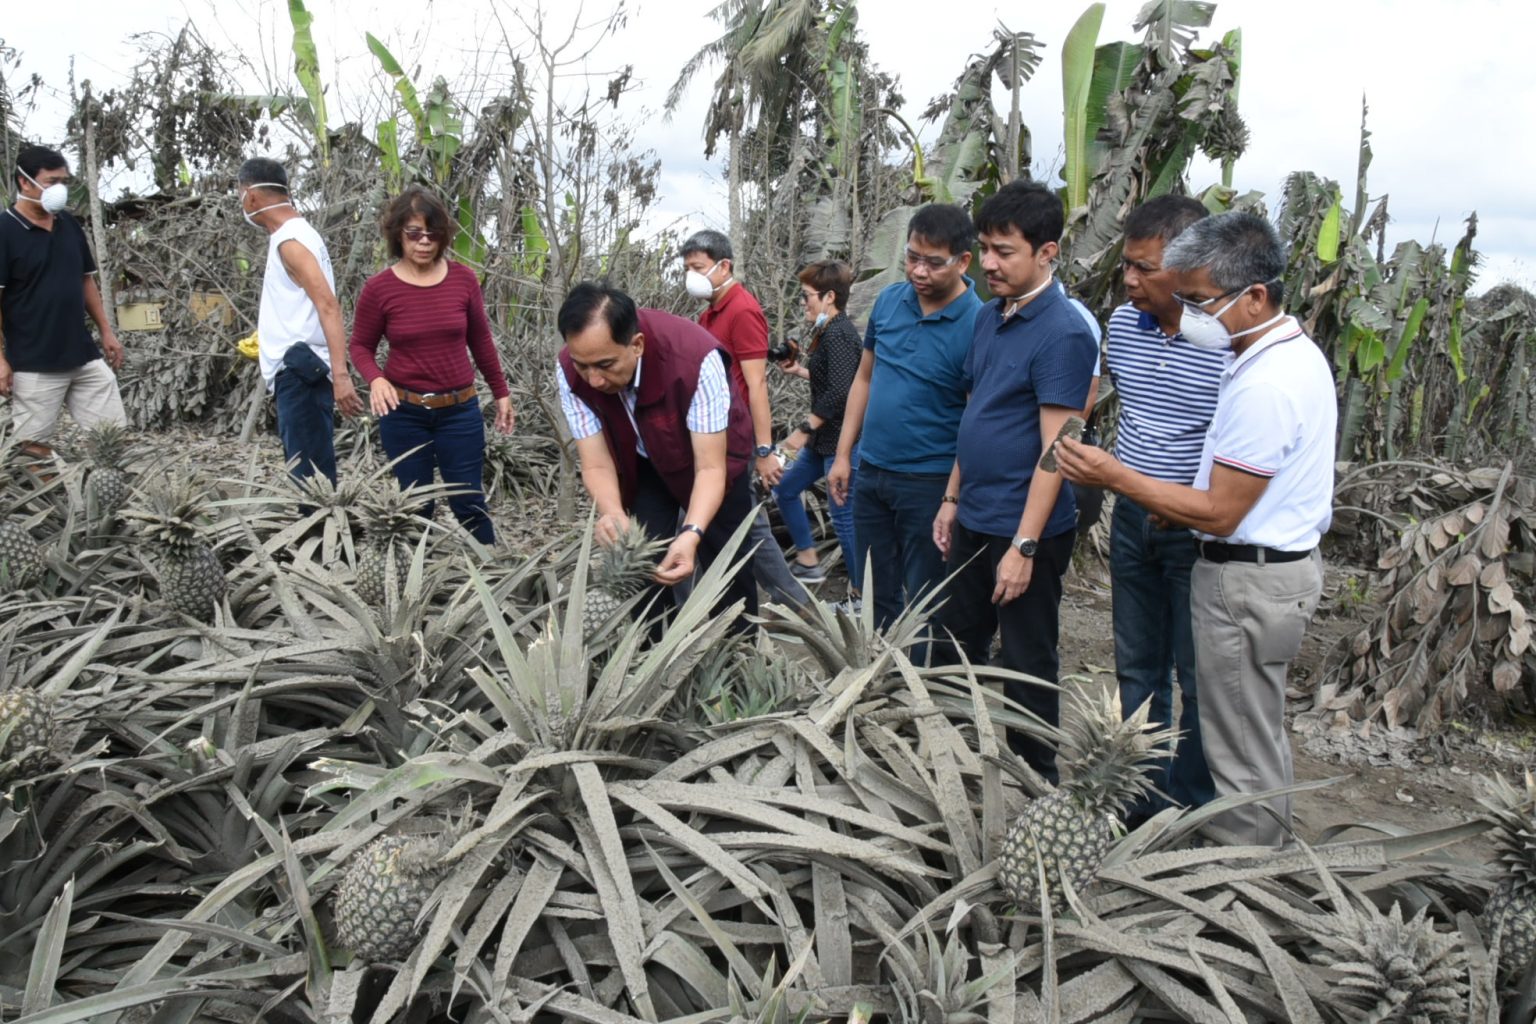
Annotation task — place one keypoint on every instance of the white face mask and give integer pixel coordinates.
(250, 218)
(1205, 330)
(54, 198)
(698, 285)
(821, 321)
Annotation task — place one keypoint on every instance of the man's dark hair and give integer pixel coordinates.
(1163, 218)
(261, 170)
(833, 276)
(1237, 250)
(34, 160)
(943, 224)
(1027, 207)
(416, 201)
(711, 243)
(590, 300)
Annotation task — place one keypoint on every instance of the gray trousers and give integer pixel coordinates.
(1249, 621)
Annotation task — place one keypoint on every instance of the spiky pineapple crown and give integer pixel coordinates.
(1391, 969)
(626, 565)
(169, 513)
(1111, 757)
(389, 513)
(106, 444)
(1512, 812)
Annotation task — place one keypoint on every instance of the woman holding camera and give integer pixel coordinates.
(834, 352)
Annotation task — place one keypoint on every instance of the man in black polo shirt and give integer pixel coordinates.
(48, 359)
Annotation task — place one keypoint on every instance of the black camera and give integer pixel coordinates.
(783, 351)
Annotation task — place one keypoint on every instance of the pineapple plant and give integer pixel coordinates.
(620, 572)
(191, 579)
(107, 487)
(27, 732)
(386, 885)
(1070, 829)
(1511, 910)
(1394, 971)
(21, 557)
(391, 524)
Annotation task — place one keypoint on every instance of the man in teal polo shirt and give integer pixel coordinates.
(906, 403)
(1005, 524)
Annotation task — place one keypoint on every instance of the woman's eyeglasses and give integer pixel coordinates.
(417, 234)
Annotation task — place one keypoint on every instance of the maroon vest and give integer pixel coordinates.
(669, 375)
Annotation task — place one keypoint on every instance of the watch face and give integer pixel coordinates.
(763, 451)
(1027, 548)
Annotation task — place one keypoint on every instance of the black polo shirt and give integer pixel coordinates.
(42, 294)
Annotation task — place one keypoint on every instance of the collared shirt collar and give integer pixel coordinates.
(1284, 330)
(1152, 325)
(951, 310)
(1044, 300)
(634, 382)
(24, 221)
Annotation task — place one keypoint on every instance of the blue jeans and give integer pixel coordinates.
(306, 423)
(893, 528)
(1149, 572)
(808, 468)
(452, 442)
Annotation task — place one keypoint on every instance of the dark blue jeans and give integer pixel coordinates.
(1149, 572)
(450, 441)
(1029, 626)
(306, 422)
(808, 468)
(893, 528)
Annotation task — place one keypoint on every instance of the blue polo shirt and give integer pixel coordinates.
(917, 392)
(1042, 355)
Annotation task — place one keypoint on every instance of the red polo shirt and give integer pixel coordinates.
(737, 322)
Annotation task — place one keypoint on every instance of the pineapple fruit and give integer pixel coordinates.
(391, 524)
(191, 579)
(1511, 910)
(620, 571)
(107, 486)
(21, 557)
(386, 885)
(27, 731)
(1070, 829)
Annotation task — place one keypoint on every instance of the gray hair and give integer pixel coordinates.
(1237, 249)
(713, 244)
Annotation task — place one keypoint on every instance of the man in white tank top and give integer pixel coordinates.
(302, 341)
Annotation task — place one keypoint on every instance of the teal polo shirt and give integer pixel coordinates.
(917, 393)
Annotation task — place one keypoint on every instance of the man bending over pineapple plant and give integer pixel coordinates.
(659, 429)
(303, 345)
(1259, 504)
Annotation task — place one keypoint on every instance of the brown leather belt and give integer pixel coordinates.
(436, 399)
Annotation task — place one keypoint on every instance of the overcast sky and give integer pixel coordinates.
(1449, 84)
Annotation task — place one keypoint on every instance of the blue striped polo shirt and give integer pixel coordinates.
(1167, 390)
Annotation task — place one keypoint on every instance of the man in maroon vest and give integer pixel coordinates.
(659, 428)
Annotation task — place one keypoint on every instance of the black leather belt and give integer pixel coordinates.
(1215, 551)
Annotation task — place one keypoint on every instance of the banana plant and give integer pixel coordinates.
(306, 65)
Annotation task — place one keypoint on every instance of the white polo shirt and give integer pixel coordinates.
(1276, 416)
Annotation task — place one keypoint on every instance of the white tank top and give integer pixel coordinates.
(287, 315)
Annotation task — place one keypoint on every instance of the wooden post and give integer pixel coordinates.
(104, 279)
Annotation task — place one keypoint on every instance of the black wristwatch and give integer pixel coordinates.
(691, 528)
(762, 451)
(1026, 546)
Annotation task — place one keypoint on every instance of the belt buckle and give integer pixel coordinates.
(429, 394)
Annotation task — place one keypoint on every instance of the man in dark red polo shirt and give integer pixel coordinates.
(735, 317)
(659, 429)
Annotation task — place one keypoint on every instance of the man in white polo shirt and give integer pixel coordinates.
(1259, 504)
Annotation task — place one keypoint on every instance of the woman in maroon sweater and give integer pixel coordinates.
(432, 313)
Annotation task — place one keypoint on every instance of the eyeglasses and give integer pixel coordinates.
(931, 262)
(1200, 304)
(417, 234)
(806, 297)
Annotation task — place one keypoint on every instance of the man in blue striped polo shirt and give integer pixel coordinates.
(1167, 390)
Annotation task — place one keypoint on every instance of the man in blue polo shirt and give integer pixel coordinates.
(1006, 525)
(906, 402)
(1167, 390)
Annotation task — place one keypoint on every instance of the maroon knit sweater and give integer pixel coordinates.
(431, 331)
